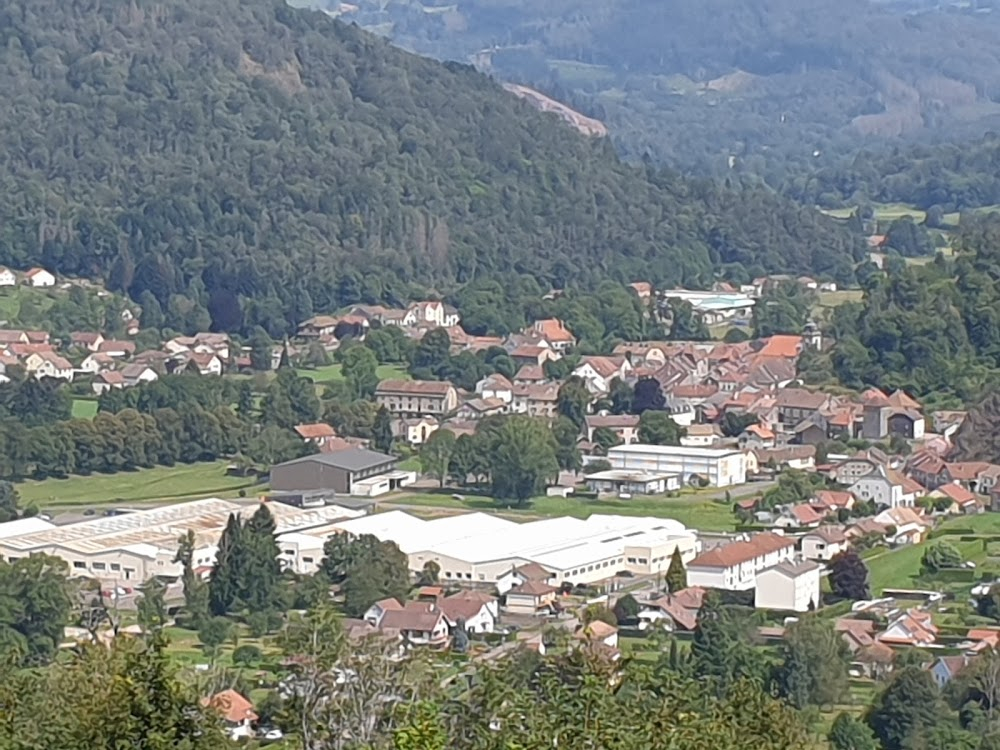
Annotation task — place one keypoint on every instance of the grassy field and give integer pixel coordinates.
(184, 481)
(84, 408)
(900, 568)
(11, 298)
(839, 297)
(697, 513)
(333, 374)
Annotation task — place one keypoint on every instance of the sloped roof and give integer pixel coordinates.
(315, 431)
(414, 387)
(782, 346)
(232, 706)
(829, 534)
(734, 553)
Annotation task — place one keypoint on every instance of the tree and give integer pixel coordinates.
(573, 400)
(733, 424)
(260, 350)
(626, 608)
(908, 706)
(259, 573)
(432, 352)
(382, 431)
(196, 593)
(939, 556)
(224, 586)
(567, 435)
(34, 608)
(721, 649)
(658, 428)
(676, 576)
(152, 607)
(849, 576)
(685, 325)
(648, 396)
(430, 574)
(244, 401)
(814, 666)
(9, 503)
(908, 238)
(360, 370)
(621, 395)
(435, 454)
(366, 569)
(848, 733)
(604, 438)
(522, 459)
(247, 655)
(213, 633)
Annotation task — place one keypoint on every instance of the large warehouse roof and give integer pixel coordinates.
(479, 538)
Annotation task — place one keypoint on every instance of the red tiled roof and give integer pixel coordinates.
(735, 553)
(782, 346)
(232, 706)
(414, 387)
(553, 329)
(315, 431)
(957, 492)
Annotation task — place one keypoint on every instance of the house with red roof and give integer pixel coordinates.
(236, 712)
(912, 628)
(733, 566)
(962, 500)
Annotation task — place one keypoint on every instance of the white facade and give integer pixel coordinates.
(722, 468)
(735, 566)
(40, 277)
(790, 587)
(817, 547)
(7, 277)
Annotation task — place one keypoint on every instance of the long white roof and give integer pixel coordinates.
(477, 538)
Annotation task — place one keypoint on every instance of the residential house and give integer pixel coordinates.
(600, 372)
(895, 415)
(555, 333)
(94, 363)
(673, 612)
(734, 566)
(859, 465)
(928, 468)
(788, 586)
(625, 426)
(797, 404)
(946, 668)
(757, 436)
(478, 408)
(318, 434)
(598, 631)
(106, 381)
(399, 318)
(962, 500)
(801, 457)
(496, 386)
(48, 365)
(137, 374)
(983, 639)
(857, 634)
(415, 430)
(321, 325)
(875, 661)
(651, 354)
(476, 611)
(536, 400)
(910, 527)
(912, 628)
(522, 574)
(88, 340)
(7, 277)
(643, 289)
(417, 397)
(824, 543)
(531, 598)
(39, 277)
(534, 355)
(436, 314)
(529, 375)
(416, 623)
(203, 364)
(975, 476)
(10, 336)
(236, 712)
(831, 501)
(800, 516)
(887, 488)
(866, 528)
(116, 348)
(781, 345)
(702, 436)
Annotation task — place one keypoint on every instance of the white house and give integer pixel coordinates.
(7, 277)
(136, 374)
(702, 436)
(478, 611)
(522, 574)
(48, 365)
(788, 586)
(824, 543)
(599, 372)
(435, 314)
(106, 381)
(734, 566)
(496, 386)
(625, 426)
(94, 363)
(236, 712)
(886, 488)
(39, 277)
(718, 467)
(416, 431)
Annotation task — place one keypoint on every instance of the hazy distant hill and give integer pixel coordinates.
(254, 162)
(696, 82)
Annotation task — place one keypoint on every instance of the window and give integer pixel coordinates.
(98, 566)
(307, 560)
(79, 565)
(447, 574)
(116, 566)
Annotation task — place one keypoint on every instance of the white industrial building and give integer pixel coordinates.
(719, 467)
(479, 549)
(134, 547)
(715, 307)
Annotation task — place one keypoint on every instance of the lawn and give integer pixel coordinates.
(694, 513)
(184, 481)
(84, 408)
(900, 568)
(333, 374)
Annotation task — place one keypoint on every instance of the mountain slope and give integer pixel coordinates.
(258, 161)
(695, 82)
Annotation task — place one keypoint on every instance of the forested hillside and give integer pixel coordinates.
(951, 176)
(262, 162)
(771, 82)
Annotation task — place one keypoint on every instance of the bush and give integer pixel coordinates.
(247, 655)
